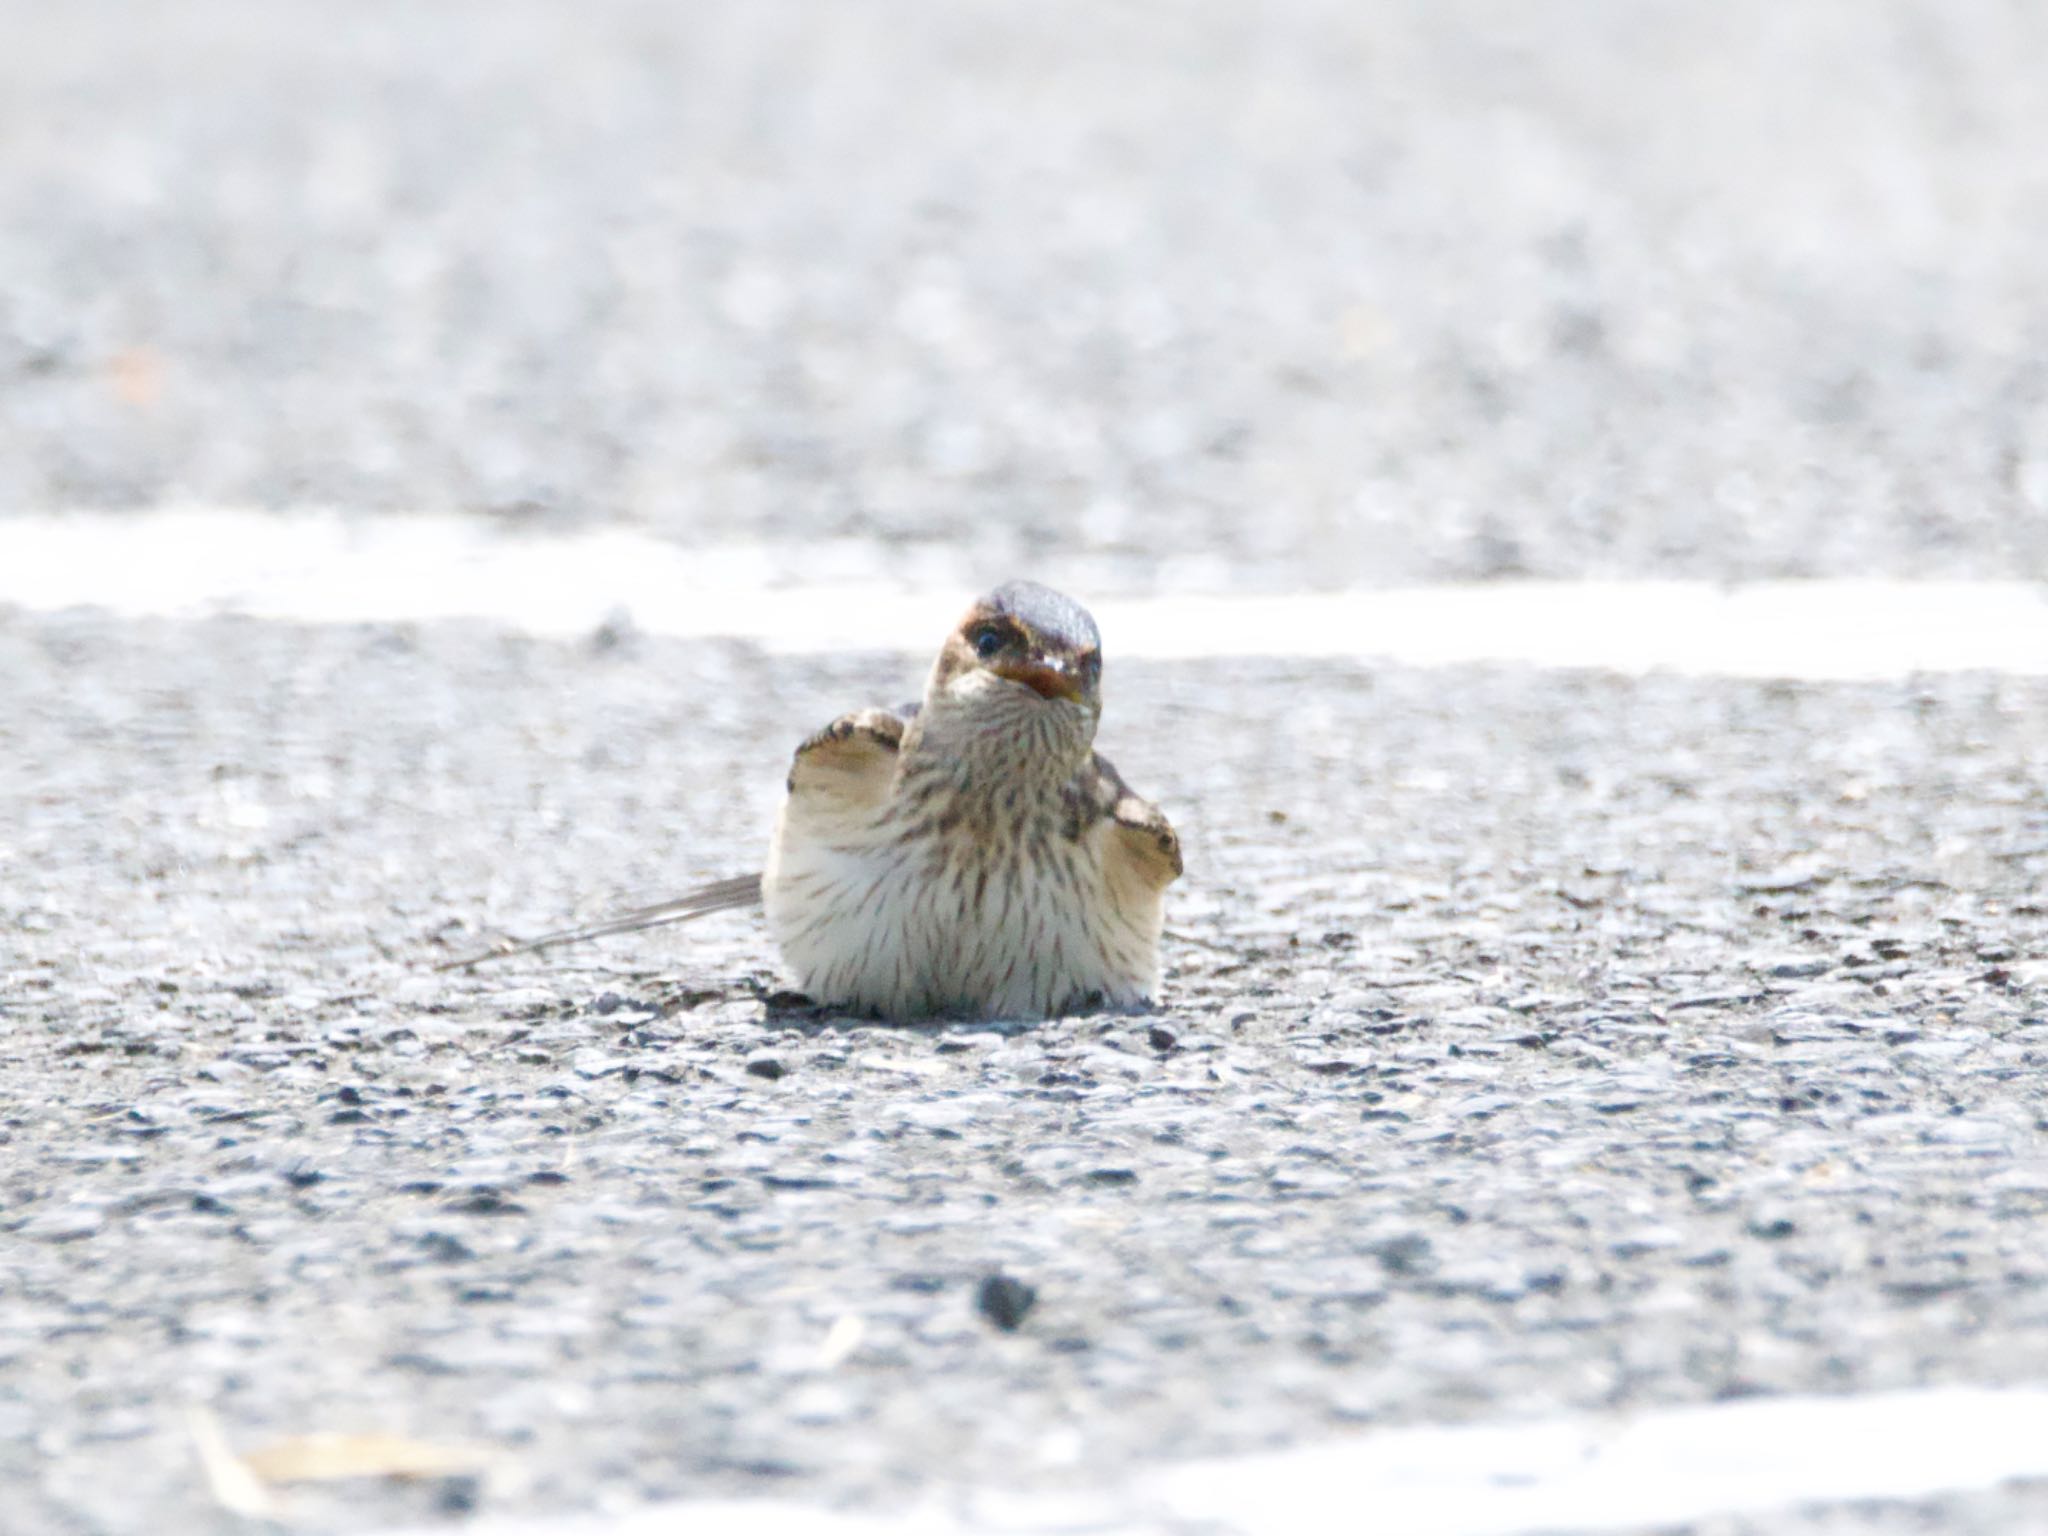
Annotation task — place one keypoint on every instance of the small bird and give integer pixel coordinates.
(970, 855)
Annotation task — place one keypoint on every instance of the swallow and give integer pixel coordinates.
(970, 855)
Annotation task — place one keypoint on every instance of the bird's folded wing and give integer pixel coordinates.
(851, 762)
(1145, 839)
(1141, 842)
(719, 896)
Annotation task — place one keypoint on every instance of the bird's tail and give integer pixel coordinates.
(719, 896)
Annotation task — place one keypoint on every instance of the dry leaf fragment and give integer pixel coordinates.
(329, 1457)
(841, 1340)
(233, 1485)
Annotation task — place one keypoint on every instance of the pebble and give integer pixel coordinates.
(1004, 1300)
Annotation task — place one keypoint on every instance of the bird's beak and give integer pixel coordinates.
(1047, 676)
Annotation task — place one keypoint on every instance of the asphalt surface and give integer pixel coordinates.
(1129, 294)
(1535, 1042)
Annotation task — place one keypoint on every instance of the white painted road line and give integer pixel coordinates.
(1664, 1466)
(324, 568)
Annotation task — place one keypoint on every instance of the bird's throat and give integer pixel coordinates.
(998, 746)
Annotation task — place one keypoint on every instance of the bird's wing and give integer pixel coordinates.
(1140, 845)
(851, 763)
(719, 896)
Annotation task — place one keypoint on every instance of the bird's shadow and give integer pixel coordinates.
(784, 1008)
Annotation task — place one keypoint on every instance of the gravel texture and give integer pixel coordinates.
(1310, 291)
(1536, 1042)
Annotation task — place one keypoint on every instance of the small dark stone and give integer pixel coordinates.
(446, 1248)
(1772, 1228)
(615, 632)
(770, 1067)
(764, 1467)
(1931, 1289)
(1115, 1177)
(424, 1364)
(1408, 1254)
(1004, 1300)
(484, 1201)
(1160, 1038)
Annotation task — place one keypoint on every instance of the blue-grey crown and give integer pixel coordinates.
(1055, 616)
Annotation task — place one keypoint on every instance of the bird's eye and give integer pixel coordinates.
(987, 640)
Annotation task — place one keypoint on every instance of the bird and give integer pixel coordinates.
(970, 855)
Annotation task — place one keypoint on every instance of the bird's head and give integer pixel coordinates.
(1023, 654)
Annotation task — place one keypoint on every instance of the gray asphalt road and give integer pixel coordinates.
(1535, 1042)
(1312, 291)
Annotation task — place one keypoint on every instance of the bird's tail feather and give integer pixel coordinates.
(719, 896)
